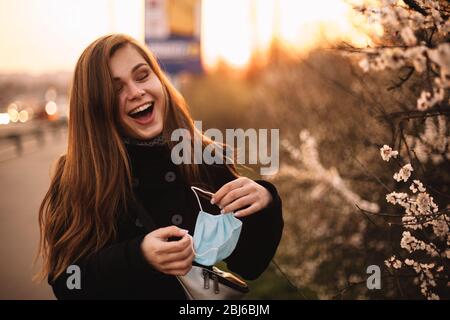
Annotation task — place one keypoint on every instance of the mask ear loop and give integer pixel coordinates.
(198, 199)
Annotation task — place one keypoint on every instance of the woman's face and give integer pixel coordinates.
(140, 94)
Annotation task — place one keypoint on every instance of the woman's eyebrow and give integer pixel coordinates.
(133, 70)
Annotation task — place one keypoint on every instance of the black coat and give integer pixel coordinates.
(119, 271)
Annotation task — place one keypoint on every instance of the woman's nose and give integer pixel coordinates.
(134, 91)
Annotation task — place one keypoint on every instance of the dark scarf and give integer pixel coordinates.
(155, 141)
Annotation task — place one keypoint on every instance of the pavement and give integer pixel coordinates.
(24, 180)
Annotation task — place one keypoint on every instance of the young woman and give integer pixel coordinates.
(123, 110)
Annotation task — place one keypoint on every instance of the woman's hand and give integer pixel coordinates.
(169, 257)
(239, 193)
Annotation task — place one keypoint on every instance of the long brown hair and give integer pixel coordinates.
(92, 181)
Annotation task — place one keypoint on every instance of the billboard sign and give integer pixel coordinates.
(172, 32)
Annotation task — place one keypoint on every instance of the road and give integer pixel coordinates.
(24, 181)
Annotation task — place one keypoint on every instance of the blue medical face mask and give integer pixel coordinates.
(215, 236)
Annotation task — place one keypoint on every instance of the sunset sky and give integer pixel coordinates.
(49, 35)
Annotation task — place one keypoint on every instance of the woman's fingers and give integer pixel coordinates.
(240, 193)
(157, 250)
(247, 211)
(180, 255)
(165, 247)
(176, 246)
(178, 260)
(239, 203)
(167, 232)
(180, 267)
(222, 192)
(232, 196)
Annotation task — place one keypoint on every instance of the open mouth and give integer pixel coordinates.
(142, 111)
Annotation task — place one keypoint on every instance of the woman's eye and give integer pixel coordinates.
(119, 88)
(142, 76)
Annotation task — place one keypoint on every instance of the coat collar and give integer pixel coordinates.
(155, 141)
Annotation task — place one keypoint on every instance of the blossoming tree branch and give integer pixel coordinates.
(414, 53)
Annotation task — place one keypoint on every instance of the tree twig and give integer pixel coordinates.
(402, 79)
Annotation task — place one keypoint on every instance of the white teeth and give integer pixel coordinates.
(141, 108)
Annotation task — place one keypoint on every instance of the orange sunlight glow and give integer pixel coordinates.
(234, 30)
(49, 35)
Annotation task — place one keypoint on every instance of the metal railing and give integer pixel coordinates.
(16, 134)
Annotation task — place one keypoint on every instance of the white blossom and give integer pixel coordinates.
(433, 143)
(441, 56)
(440, 227)
(393, 262)
(419, 185)
(409, 262)
(396, 197)
(406, 22)
(423, 103)
(433, 296)
(387, 153)
(364, 64)
(418, 57)
(404, 173)
(408, 36)
(410, 243)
